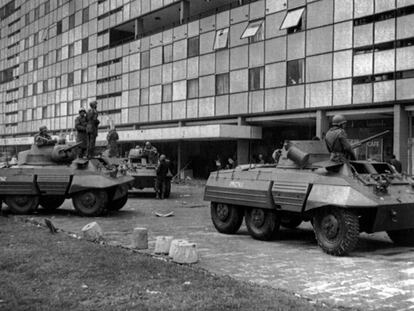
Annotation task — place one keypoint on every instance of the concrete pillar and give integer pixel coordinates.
(179, 158)
(401, 133)
(139, 27)
(322, 123)
(243, 152)
(184, 11)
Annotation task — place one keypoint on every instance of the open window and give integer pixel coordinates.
(293, 21)
(222, 39)
(254, 31)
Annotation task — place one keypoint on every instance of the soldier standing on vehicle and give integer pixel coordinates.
(336, 141)
(91, 128)
(43, 138)
(151, 152)
(112, 139)
(80, 126)
(161, 180)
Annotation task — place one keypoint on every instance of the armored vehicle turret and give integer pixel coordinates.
(48, 175)
(340, 199)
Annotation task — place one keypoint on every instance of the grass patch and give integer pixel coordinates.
(41, 271)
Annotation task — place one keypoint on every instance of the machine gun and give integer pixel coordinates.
(364, 141)
(63, 153)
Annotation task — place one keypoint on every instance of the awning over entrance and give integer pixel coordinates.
(197, 132)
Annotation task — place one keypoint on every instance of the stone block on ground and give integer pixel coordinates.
(173, 246)
(162, 244)
(140, 238)
(186, 253)
(92, 232)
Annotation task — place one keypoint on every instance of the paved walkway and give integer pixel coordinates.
(377, 276)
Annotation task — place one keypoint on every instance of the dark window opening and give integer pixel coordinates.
(70, 79)
(85, 45)
(72, 21)
(222, 83)
(109, 62)
(145, 59)
(193, 48)
(47, 7)
(167, 92)
(192, 88)
(122, 34)
(8, 9)
(295, 72)
(85, 15)
(256, 78)
(58, 27)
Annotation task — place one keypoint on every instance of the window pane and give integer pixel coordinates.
(84, 75)
(252, 29)
(292, 18)
(256, 78)
(167, 53)
(295, 72)
(85, 45)
(193, 47)
(222, 84)
(85, 15)
(221, 39)
(192, 88)
(145, 59)
(167, 92)
(72, 21)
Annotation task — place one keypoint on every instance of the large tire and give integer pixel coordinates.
(91, 202)
(167, 189)
(116, 205)
(22, 204)
(52, 202)
(291, 221)
(262, 224)
(336, 230)
(226, 218)
(403, 237)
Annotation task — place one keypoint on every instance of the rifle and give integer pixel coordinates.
(362, 142)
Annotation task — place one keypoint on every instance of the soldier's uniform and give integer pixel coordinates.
(112, 146)
(337, 143)
(80, 126)
(43, 138)
(91, 129)
(161, 180)
(150, 152)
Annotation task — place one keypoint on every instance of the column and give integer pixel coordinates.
(322, 123)
(184, 11)
(401, 133)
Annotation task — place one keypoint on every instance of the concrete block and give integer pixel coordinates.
(92, 232)
(186, 253)
(140, 238)
(174, 245)
(162, 244)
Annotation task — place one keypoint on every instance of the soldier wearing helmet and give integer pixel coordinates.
(336, 141)
(43, 138)
(91, 128)
(150, 152)
(80, 126)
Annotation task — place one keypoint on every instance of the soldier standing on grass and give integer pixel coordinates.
(80, 126)
(91, 128)
(336, 141)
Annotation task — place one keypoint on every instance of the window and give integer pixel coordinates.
(45, 60)
(47, 7)
(58, 27)
(45, 86)
(36, 38)
(58, 55)
(167, 54)
(254, 31)
(85, 45)
(34, 114)
(71, 52)
(167, 92)
(84, 75)
(222, 84)
(58, 82)
(27, 19)
(44, 112)
(72, 21)
(69, 108)
(193, 48)
(145, 59)
(256, 78)
(26, 67)
(35, 64)
(85, 15)
(25, 91)
(26, 43)
(57, 110)
(293, 21)
(221, 40)
(34, 88)
(144, 96)
(70, 78)
(192, 88)
(24, 115)
(295, 72)
(36, 13)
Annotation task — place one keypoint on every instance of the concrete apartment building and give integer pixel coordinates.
(202, 78)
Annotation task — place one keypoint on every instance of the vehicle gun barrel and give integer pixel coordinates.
(364, 141)
(69, 148)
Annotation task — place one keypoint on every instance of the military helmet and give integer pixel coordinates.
(43, 128)
(82, 109)
(93, 103)
(162, 157)
(148, 144)
(338, 119)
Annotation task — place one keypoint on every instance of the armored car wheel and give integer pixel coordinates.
(336, 230)
(291, 221)
(51, 202)
(226, 218)
(262, 224)
(403, 237)
(22, 204)
(116, 205)
(91, 202)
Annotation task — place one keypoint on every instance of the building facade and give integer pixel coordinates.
(207, 78)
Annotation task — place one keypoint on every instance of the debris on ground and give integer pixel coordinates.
(50, 225)
(92, 232)
(164, 215)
